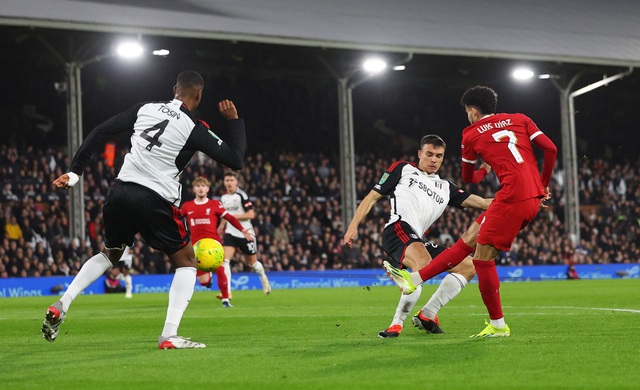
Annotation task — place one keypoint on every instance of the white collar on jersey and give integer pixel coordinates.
(431, 175)
(196, 201)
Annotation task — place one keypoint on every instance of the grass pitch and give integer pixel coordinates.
(565, 334)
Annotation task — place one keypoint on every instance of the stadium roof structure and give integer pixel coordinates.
(575, 31)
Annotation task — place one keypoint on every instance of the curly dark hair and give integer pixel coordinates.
(483, 98)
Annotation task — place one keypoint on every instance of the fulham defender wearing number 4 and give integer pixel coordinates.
(146, 194)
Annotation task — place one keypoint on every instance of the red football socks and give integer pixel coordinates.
(446, 260)
(223, 282)
(489, 285)
(208, 280)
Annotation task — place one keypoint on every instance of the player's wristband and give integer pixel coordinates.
(73, 179)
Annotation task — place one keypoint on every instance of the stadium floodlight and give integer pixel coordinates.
(374, 65)
(73, 89)
(129, 49)
(399, 67)
(347, 82)
(522, 74)
(161, 52)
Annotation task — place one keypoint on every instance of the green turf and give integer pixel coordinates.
(566, 334)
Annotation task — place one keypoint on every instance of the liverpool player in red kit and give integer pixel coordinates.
(203, 217)
(504, 141)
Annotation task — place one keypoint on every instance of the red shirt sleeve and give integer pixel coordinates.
(220, 210)
(478, 175)
(550, 153)
(467, 172)
(233, 221)
(469, 158)
(183, 209)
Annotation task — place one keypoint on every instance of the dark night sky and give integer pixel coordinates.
(289, 99)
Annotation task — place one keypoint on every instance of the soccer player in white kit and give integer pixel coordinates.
(418, 198)
(126, 263)
(238, 204)
(146, 194)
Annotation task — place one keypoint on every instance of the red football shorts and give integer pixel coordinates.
(503, 221)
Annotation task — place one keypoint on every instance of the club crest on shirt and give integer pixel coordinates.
(208, 211)
(438, 185)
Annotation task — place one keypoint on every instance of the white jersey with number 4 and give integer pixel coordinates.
(164, 138)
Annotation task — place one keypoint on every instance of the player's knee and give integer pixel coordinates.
(415, 263)
(467, 269)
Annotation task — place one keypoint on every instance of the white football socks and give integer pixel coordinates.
(499, 323)
(405, 305)
(180, 294)
(416, 279)
(258, 267)
(128, 284)
(449, 287)
(91, 270)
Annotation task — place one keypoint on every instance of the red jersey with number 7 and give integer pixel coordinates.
(504, 141)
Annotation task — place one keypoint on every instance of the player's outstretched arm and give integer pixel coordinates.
(66, 180)
(550, 153)
(361, 213)
(246, 232)
(229, 152)
(477, 202)
(481, 172)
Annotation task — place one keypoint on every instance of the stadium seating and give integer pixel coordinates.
(299, 226)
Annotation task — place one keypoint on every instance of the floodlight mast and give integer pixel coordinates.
(569, 148)
(74, 128)
(75, 133)
(346, 84)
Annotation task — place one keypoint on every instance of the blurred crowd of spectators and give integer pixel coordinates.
(298, 223)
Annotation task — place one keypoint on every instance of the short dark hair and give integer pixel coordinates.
(483, 98)
(231, 173)
(190, 79)
(432, 139)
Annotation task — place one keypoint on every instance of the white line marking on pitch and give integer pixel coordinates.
(583, 308)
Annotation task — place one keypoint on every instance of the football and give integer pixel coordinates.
(209, 254)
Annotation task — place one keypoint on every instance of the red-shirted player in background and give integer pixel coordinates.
(203, 217)
(504, 141)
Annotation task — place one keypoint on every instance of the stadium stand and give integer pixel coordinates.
(299, 226)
